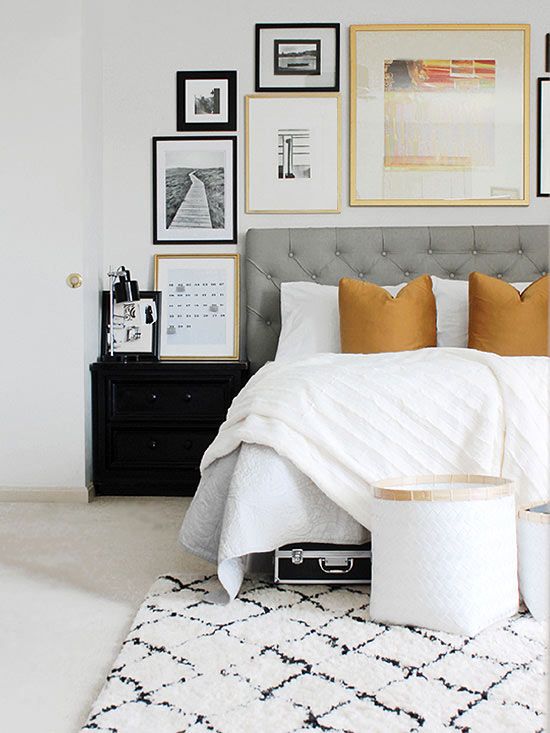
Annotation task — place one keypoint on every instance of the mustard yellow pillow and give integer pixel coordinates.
(505, 321)
(372, 321)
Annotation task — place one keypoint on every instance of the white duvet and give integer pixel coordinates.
(341, 421)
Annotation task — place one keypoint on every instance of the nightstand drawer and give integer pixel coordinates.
(158, 446)
(152, 422)
(168, 399)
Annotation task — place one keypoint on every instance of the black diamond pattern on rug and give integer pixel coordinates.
(284, 659)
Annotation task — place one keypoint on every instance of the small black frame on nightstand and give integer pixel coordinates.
(126, 356)
(152, 423)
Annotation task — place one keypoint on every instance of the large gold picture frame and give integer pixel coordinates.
(500, 195)
(235, 310)
(250, 208)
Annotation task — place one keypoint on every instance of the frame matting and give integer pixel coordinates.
(293, 153)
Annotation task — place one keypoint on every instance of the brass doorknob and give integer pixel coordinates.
(74, 280)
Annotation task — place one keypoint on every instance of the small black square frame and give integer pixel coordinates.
(128, 356)
(185, 125)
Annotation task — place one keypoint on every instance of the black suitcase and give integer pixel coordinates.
(313, 562)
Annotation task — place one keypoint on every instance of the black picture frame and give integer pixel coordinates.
(148, 355)
(232, 239)
(185, 125)
(542, 81)
(260, 27)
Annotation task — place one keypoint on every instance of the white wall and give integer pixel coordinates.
(43, 380)
(146, 42)
(75, 178)
(92, 174)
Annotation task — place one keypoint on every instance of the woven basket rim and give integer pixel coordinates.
(395, 489)
(534, 517)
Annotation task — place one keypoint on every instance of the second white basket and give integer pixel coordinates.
(534, 562)
(444, 553)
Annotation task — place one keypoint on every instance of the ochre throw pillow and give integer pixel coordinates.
(372, 321)
(505, 321)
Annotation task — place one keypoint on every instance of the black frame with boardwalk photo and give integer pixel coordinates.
(184, 124)
(190, 208)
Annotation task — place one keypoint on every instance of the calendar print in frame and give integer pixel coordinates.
(200, 318)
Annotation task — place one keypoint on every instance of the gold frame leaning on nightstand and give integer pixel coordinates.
(236, 328)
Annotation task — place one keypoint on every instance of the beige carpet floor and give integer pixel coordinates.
(71, 579)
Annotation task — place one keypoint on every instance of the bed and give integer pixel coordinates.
(301, 443)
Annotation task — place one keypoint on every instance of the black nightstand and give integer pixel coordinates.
(152, 422)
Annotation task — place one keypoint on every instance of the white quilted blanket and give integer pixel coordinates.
(345, 420)
(339, 422)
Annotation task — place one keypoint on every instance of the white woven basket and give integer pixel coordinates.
(444, 552)
(534, 561)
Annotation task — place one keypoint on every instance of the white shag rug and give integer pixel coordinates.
(294, 658)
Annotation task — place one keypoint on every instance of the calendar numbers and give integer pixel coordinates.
(197, 307)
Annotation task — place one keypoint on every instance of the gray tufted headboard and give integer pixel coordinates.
(387, 256)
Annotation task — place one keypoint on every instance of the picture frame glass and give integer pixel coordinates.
(200, 306)
(438, 114)
(293, 152)
(297, 58)
(206, 101)
(195, 190)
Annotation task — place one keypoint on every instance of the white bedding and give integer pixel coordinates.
(340, 421)
(252, 501)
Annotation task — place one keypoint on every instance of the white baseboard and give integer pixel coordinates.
(73, 494)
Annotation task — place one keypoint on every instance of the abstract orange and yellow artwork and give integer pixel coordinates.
(439, 114)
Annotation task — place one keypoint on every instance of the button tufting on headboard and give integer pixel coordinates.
(382, 255)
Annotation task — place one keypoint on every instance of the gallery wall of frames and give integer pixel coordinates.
(424, 118)
(439, 116)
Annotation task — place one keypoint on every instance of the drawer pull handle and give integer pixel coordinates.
(187, 397)
(153, 444)
(326, 566)
(187, 444)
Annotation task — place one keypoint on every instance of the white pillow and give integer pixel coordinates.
(451, 300)
(310, 321)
